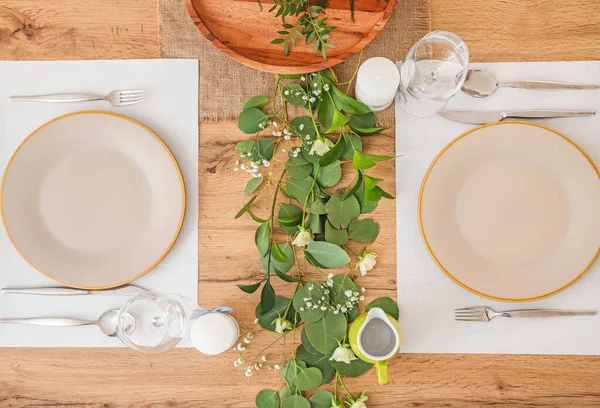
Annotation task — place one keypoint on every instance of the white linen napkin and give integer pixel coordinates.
(427, 298)
(171, 110)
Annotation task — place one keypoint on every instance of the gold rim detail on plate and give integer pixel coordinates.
(430, 250)
(135, 122)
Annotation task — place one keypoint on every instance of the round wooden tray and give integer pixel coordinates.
(243, 32)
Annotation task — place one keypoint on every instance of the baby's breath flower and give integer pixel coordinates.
(301, 127)
(248, 373)
(241, 347)
(276, 367)
(247, 340)
(255, 321)
(250, 335)
(343, 309)
(286, 92)
(266, 163)
(361, 298)
(302, 309)
(236, 363)
(264, 358)
(315, 85)
(283, 149)
(249, 154)
(274, 123)
(302, 78)
(326, 87)
(348, 293)
(362, 290)
(287, 137)
(311, 99)
(323, 308)
(236, 168)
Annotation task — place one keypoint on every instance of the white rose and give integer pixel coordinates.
(343, 355)
(360, 402)
(366, 262)
(303, 238)
(281, 325)
(321, 146)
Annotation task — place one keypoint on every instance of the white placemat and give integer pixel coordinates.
(170, 109)
(426, 296)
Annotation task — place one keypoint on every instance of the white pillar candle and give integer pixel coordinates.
(377, 83)
(214, 333)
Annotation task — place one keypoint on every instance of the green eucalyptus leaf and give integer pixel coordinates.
(360, 161)
(307, 346)
(335, 236)
(337, 122)
(255, 217)
(290, 76)
(295, 94)
(387, 304)
(295, 401)
(318, 207)
(286, 391)
(261, 237)
(341, 212)
(250, 120)
(279, 255)
(356, 183)
(267, 399)
(250, 288)
(330, 175)
(326, 111)
(326, 333)
(292, 231)
(298, 171)
(320, 361)
(377, 158)
(367, 120)
(290, 215)
(356, 368)
(303, 126)
(334, 154)
(329, 76)
(245, 208)
(284, 277)
(322, 398)
(300, 189)
(314, 294)
(311, 260)
(256, 102)
(316, 223)
(365, 207)
(253, 184)
(266, 320)
(263, 150)
(267, 297)
(368, 131)
(284, 191)
(348, 104)
(341, 284)
(289, 373)
(280, 266)
(365, 231)
(308, 378)
(244, 147)
(371, 182)
(327, 254)
(352, 143)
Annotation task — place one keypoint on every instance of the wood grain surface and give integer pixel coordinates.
(501, 30)
(243, 32)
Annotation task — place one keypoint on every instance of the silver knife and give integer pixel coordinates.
(482, 118)
(128, 290)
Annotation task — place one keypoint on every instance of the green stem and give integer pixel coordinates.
(272, 220)
(352, 250)
(343, 385)
(308, 193)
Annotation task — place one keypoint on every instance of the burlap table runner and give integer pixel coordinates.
(226, 84)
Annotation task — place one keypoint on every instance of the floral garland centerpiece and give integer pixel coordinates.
(323, 224)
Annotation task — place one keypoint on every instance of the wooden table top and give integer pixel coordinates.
(507, 30)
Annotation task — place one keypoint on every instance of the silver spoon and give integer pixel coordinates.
(481, 84)
(107, 322)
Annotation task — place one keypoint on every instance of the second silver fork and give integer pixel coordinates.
(115, 98)
(485, 313)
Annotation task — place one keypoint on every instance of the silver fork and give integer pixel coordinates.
(485, 313)
(116, 98)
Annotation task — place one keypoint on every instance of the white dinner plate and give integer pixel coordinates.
(93, 199)
(511, 211)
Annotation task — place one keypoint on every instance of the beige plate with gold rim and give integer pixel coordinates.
(509, 211)
(93, 199)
